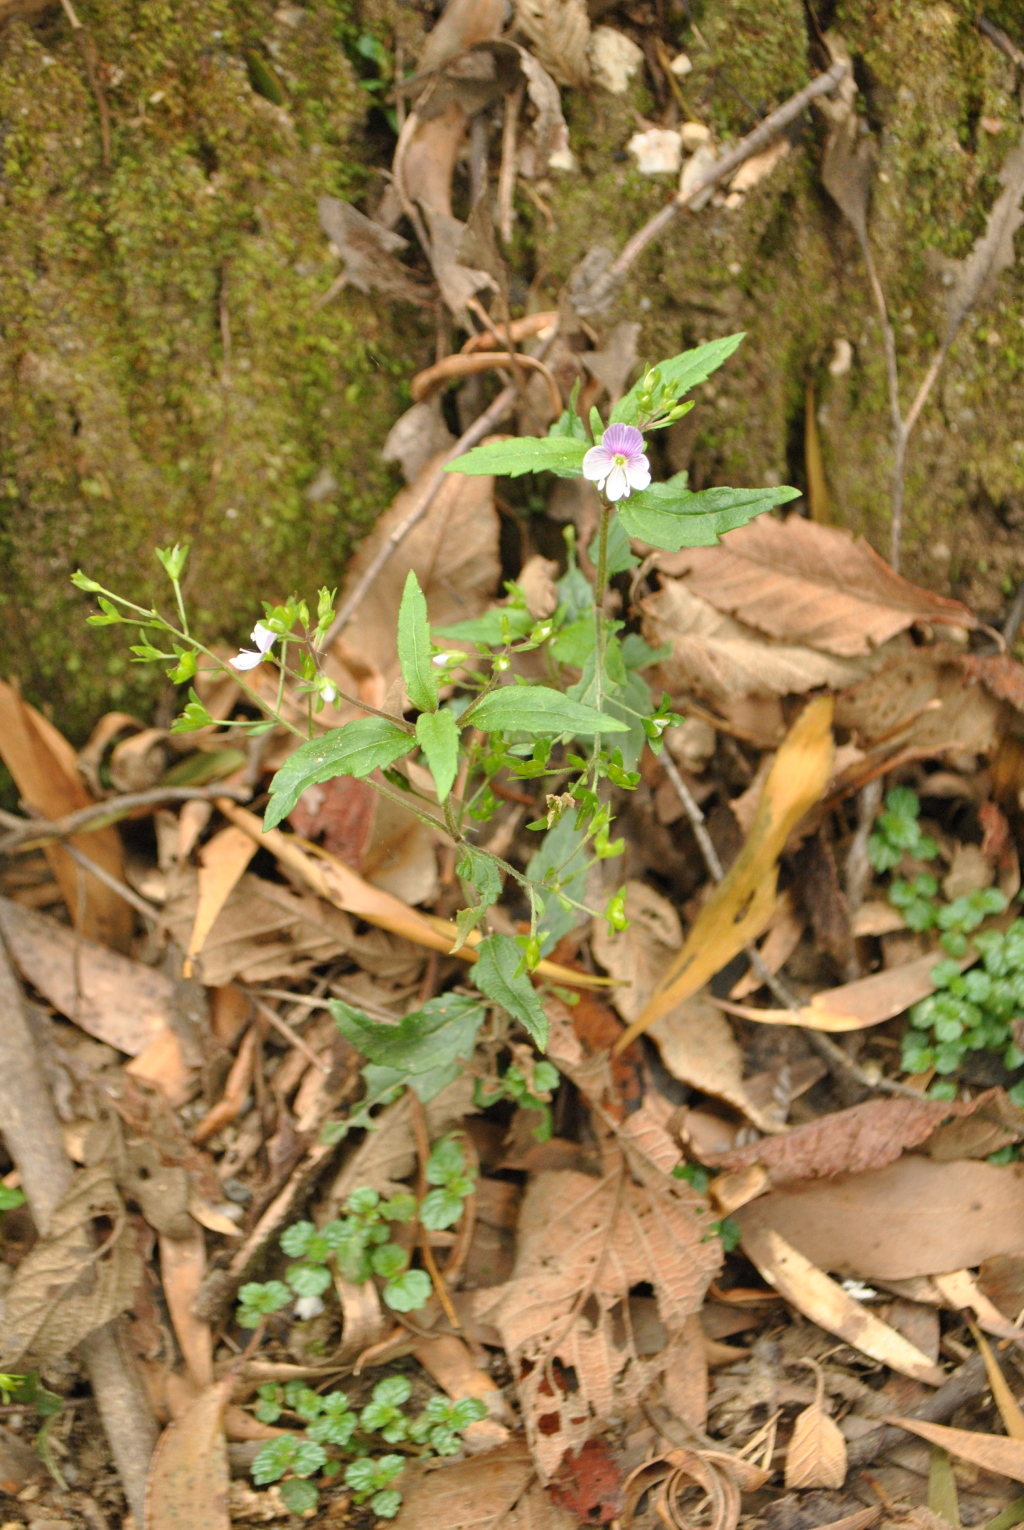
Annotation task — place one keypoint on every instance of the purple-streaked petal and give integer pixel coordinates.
(597, 464)
(263, 637)
(617, 484)
(639, 473)
(246, 659)
(623, 440)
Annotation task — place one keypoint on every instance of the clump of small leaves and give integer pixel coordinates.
(332, 1425)
(970, 1011)
(898, 832)
(529, 1093)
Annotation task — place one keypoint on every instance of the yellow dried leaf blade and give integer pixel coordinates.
(223, 860)
(816, 1457)
(993, 1452)
(188, 1478)
(744, 901)
(1009, 1408)
(826, 1303)
(943, 1498)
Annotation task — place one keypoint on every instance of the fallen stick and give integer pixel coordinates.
(968, 1382)
(99, 814)
(33, 1136)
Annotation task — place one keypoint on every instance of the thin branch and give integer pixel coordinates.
(274, 1019)
(99, 814)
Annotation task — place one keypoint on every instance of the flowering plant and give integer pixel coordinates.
(583, 732)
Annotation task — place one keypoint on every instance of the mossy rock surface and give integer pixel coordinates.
(167, 373)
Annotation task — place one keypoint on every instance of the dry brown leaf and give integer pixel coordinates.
(719, 657)
(475, 1494)
(917, 701)
(236, 1089)
(614, 363)
(67, 1286)
(685, 1379)
(162, 1064)
(182, 1266)
(221, 863)
(560, 33)
(812, 1293)
(698, 1047)
(582, 1244)
(416, 436)
(914, 1217)
(961, 1289)
(741, 905)
(1009, 1407)
(867, 1136)
(453, 551)
(188, 1478)
(816, 1456)
(992, 1452)
(801, 582)
(638, 957)
(672, 1478)
(370, 253)
(401, 856)
(115, 999)
(45, 772)
(781, 939)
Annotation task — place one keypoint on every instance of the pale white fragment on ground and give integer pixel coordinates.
(694, 135)
(681, 65)
(759, 165)
(657, 151)
(563, 159)
(614, 58)
(694, 171)
(842, 358)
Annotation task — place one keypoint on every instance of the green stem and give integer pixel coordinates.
(600, 590)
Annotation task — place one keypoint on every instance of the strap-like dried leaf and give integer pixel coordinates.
(222, 861)
(993, 1452)
(188, 1480)
(559, 31)
(67, 1286)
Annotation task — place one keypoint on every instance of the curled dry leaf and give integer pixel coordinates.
(801, 582)
(867, 1136)
(826, 1303)
(118, 1001)
(722, 658)
(583, 1243)
(188, 1479)
(370, 253)
(45, 771)
(560, 33)
(992, 1452)
(816, 1457)
(68, 1286)
(221, 863)
(914, 1217)
(743, 902)
(719, 1476)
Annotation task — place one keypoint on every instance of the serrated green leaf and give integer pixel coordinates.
(482, 872)
(438, 736)
(440, 1208)
(538, 709)
(357, 749)
(678, 375)
(495, 975)
(668, 515)
(431, 1037)
(409, 1292)
(562, 455)
(422, 681)
(298, 1495)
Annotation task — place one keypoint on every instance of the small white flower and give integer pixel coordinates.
(442, 660)
(618, 465)
(308, 1307)
(329, 692)
(264, 640)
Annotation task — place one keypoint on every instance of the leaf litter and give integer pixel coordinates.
(702, 1191)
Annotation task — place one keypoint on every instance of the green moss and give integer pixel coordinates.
(167, 372)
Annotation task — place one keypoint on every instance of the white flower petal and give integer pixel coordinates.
(617, 486)
(263, 637)
(597, 464)
(639, 473)
(308, 1307)
(246, 660)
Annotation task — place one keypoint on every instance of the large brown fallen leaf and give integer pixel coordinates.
(221, 863)
(582, 1244)
(475, 1494)
(68, 1286)
(917, 703)
(808, 1288)
(914, 1217)
(743, 902)
(45, 771)
(115, 999)
(698, 1047)
(802, 582)
(560, 33)
(188, 1478)
(853, 1141)
(719, 657)
(993, 1452)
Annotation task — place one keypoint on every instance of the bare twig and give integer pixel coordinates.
(87, 48)
(507, 173)
(605, 289)
(130, 896)
(99, 814)
(290, 1035)
(487, 422)
(1003, 43)
(33, 1137)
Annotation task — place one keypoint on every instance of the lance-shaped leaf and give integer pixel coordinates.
(413, 1044)
(668, 515)
(561, 455)
(357, 749)
(539, 709)
(678, 375)
(438, 737)
(496, 976)
(422, 681)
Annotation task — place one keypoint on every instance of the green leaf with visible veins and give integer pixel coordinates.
(357, 749)
(422, 681)
(438, 737)
(412, 1043)
(538, 709)
(668, 515)
(679, 374)
(562, 455)
(495, 975)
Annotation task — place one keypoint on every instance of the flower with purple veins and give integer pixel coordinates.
(264, 640)
(618, 465)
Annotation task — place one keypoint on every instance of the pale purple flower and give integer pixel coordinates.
(618, 465)
(264, 640)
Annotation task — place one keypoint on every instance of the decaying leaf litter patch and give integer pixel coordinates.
(704, 1264)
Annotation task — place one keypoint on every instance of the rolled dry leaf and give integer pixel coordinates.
(462, 365)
